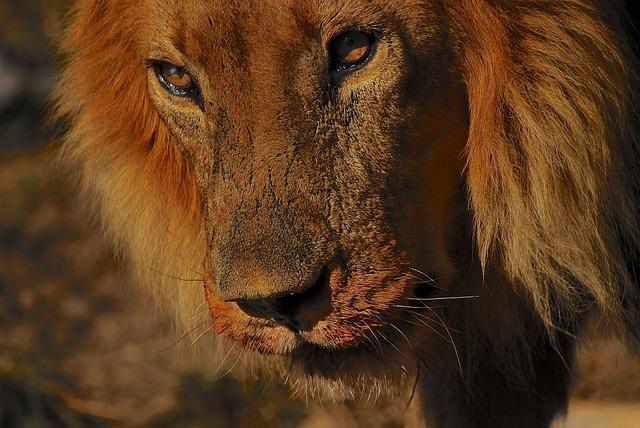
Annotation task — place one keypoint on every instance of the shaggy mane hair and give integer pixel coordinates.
(552, 160)
(552, 157)
(123, 155)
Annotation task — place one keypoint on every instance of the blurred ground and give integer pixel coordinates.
(79, 347)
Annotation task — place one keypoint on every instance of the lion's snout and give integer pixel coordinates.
(298, 311)
(274, 271)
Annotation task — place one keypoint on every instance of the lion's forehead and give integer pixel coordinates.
(240, 31)
(259, 59)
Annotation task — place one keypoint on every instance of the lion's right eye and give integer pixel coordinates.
(175, 79)
(350, 50)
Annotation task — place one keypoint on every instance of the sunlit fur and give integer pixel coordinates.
(543, 225)
(553, 150)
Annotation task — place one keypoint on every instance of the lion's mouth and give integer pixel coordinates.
(336, 327)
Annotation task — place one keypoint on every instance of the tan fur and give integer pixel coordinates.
(491, 144)
(555, 189)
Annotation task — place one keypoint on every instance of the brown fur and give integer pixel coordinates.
(490, 144)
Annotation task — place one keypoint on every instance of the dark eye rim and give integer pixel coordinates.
(192, 91)
(340, 69)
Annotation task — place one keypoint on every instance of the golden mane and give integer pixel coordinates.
(553, 151)
(124, 156)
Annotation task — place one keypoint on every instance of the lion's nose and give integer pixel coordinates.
(296, 311)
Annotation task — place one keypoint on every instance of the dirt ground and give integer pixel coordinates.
(602, 414)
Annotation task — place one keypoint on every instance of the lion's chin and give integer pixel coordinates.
(352, 368)
(334, 364)
(348, 373)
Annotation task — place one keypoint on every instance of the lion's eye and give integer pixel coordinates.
(350, 50)
(175, 79)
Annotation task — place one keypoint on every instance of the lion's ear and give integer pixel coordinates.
(547, 163)
(120, 149)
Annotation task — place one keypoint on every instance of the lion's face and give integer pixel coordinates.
(325, 139)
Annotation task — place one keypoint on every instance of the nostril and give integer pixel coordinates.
(295, 300)
(259, 308)
(289, 310)
(271, 309)
(423, 291)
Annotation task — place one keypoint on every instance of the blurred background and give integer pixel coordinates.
(79, 347)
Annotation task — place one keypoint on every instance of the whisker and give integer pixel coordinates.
(224, 360)
(186, 334)
(175, 277)
(402, 354)
(436, 299)
(191, 269)
(429, 326)
(392, 345)
(455, 348)
(200, 336)
(232, 367)
(414, 323)
(428, 277)
(192, 326)
(368, 341)
(418, 279)
(403, 335)
(376, 338)
(407, 307)
(369, 346)
(415, 388)
(409, 342)
(198, 311)
(435, 320)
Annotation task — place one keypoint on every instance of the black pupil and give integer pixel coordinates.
(171, 70)
(347, 43)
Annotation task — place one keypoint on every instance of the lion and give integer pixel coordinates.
(408, 198)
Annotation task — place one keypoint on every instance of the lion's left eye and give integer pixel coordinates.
(175, 79)
(350, 50)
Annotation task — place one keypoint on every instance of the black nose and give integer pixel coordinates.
(298, 311)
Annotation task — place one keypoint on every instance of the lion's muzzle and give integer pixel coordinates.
(297, 311)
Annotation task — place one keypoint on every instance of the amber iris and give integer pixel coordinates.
(350, 49)
(176, 76)
(175, 79)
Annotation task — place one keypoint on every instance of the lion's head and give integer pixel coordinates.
(349, 178)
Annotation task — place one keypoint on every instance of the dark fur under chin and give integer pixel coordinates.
(324, 378)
